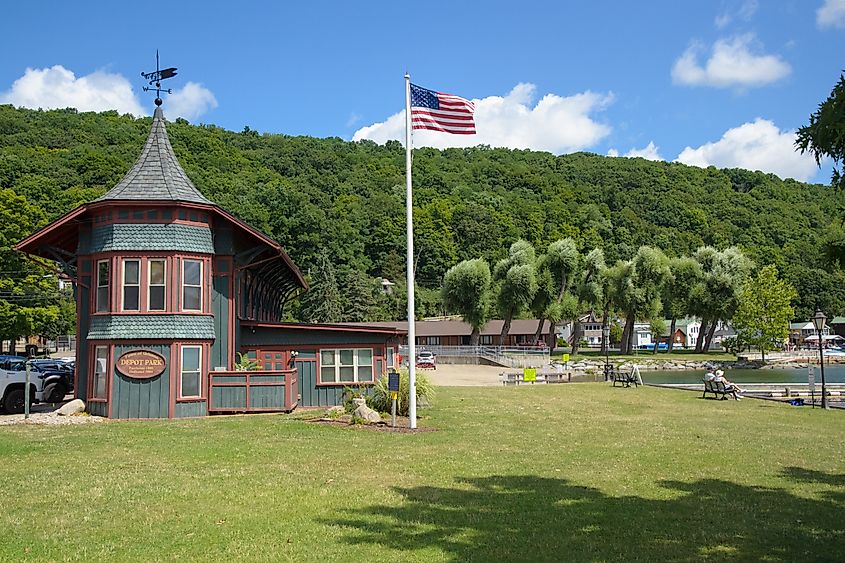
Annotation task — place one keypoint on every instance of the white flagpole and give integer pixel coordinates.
(409, 202)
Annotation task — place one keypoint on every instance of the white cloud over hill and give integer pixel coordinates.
(758, 145)
(558, 124)
(57, 87)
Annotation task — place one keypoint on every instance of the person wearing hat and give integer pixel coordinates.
(730, 387)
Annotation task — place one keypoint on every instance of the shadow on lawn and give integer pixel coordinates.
(537, 518)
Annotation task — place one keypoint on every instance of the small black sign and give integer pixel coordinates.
(393, 381)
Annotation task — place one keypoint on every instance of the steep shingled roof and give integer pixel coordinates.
(156, 174)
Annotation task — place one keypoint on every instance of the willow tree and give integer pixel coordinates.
(588, 291)
(466, 291)
(685, 272)
(715, 297)
(556, 271)
(516, 276)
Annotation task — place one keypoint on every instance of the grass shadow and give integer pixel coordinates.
(531, 518)
(801, 475)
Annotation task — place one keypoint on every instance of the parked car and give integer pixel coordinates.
(661, 346)
(49, 382)
(426, 359)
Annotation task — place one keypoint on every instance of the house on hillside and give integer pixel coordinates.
(170, 288)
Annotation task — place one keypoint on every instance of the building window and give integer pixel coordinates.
(101, 354)
(102, 286)
(391, 357)
(190, 374)
(486, 339)
(192, 285)
(131, 285)
(156, 286)
(346, 365)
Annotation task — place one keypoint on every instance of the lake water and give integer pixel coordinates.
(832, 374)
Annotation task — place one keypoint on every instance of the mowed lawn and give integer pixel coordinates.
(566, 472)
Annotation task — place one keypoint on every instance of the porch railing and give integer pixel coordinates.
(252, 391)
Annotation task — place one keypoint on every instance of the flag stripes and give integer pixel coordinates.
(437, 111)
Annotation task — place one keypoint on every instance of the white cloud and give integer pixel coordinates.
(189, 102)
(831, 14)
(745, 12)
(57, 87)
(648, 152)
(557, 124)
(759, 145)
(731, 63)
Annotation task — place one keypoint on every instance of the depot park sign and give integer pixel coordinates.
(141, 364)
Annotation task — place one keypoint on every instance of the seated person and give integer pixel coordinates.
(730, 387)
(709, 376)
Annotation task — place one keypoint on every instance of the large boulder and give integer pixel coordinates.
(76, 406)
(367, 414)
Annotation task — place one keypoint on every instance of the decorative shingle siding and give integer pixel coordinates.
(157, 174)
(169, 327)
(140, 236)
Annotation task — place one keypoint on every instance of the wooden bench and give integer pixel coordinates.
(718, 388)
(625, 379)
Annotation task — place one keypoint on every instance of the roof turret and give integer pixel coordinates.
(156, 175)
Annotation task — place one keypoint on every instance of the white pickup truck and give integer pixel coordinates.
(44, 385)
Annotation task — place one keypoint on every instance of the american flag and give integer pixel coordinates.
(441, 112)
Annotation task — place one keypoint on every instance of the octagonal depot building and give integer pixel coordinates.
(170, 287)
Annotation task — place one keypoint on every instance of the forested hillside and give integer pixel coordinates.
(338, 207)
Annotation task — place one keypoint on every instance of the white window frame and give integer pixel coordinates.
(124, 285)
(98, 306)
(336, 365)
(100, 375)
(185, 285)
(182, 371)
(390, 360)
(150, 284)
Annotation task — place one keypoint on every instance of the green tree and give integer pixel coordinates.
(466, 290)
(657, 326)
(765, 309)
(517, 283)
(716, 296)
(29, 293)
(825, 135)
(640, 285)
(322, 303)
(588, 292)
(685, 272)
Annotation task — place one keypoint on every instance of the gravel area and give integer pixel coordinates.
(49, 419)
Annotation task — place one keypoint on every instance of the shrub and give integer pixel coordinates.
(382, 402)
(244, 363)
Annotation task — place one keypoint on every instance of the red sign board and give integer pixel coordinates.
(141, 364)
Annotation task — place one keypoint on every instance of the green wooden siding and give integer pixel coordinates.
(82, 363)
(141, 398)
(98, 409)
(220, 309)
(267, 397)
(228, 398)
(313, 396)
(196, 408)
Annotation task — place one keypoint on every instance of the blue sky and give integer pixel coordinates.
(722, 82)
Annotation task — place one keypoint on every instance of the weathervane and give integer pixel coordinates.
(156, 78)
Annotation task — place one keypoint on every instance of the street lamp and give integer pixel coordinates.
(605, 335)
(818, 322)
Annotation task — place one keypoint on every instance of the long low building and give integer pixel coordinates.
(450, 332)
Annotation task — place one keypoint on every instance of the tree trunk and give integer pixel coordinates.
(699, 342)
(672, 335)
(763, 352)
(628, 335)
(656, 342)
(539, 331)
(624, 338)
(474, 336)
(710, 332)
(576, 336)
(506, 327)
